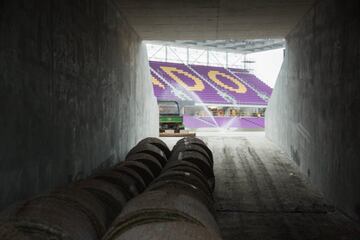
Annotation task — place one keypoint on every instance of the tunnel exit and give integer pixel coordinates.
(215, 84)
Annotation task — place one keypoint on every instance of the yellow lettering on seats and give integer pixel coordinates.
(240, 87)
(157, 82)
(198, 86)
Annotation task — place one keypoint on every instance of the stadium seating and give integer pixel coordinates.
(182, 78)
(234, 84)
(229, 84)
(162, 91)
(253, 81)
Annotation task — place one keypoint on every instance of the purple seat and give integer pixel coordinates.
(252, 80)
(161, 90)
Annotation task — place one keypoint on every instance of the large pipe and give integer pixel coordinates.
(178, 205)
(84, 210)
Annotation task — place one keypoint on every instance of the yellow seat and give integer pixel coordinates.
(156, 82)
(197, 87)
(240, 87)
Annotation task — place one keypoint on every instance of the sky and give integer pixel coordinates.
(266, 64)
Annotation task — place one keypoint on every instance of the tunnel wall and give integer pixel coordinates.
(75, 93)
(313, 113)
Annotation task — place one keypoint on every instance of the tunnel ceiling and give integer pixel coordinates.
(212, 20)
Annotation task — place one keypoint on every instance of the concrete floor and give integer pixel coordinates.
(261, 195)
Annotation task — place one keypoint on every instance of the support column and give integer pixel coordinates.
(187, 55)
(227, 59)
(207, 57)
(166, 53)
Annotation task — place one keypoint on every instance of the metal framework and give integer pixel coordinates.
(233, 46)
(240, 60)
(196, 50)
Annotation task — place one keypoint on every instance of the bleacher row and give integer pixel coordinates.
(207, 84)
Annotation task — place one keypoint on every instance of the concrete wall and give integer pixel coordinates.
(75, 92)
(314, 111)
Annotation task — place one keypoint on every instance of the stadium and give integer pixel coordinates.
(179, 120)
(217, 95)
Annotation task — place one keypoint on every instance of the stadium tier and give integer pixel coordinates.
(184, 79)
(224, 122)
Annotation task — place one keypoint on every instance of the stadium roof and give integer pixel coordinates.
(240, 46)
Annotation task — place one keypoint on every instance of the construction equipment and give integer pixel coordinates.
(170, 117)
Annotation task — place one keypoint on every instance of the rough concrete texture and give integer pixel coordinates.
(313, 113)
(261, 194)
(213, 19)
(75, 93)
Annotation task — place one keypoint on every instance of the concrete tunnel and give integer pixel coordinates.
(76, 94)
